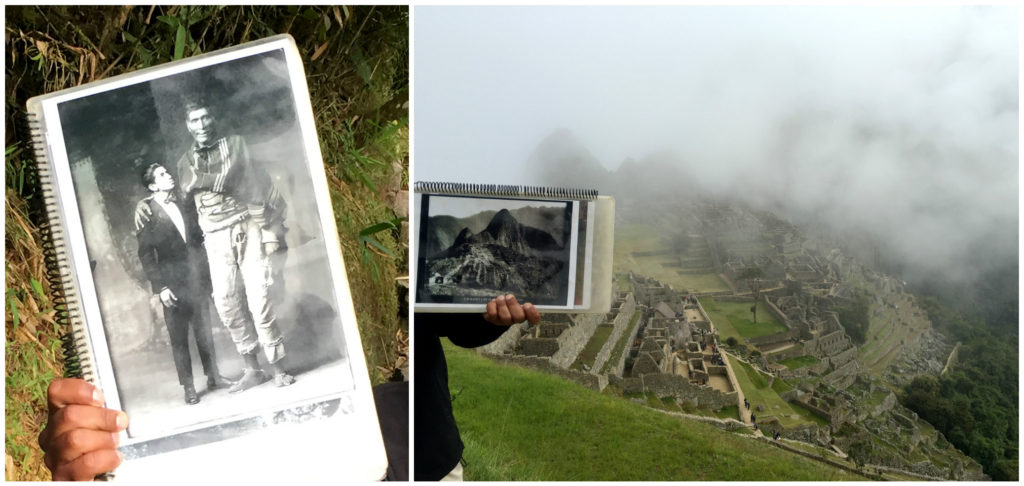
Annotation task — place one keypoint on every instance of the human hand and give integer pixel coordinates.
(81, 437)
(168, 298)
(505, 310)
(142, 214)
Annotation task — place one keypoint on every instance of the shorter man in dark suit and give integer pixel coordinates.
(172, 255)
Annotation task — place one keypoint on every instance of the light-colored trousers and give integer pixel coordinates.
(243, 278)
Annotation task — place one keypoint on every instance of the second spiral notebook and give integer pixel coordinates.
(548, 246)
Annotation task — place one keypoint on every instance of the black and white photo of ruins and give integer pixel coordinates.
(473, 249)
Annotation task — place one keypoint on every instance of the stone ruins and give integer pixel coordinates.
(658, 344)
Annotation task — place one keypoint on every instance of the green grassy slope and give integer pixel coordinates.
(523, 425)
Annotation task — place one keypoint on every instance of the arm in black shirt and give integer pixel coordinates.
(465, 330)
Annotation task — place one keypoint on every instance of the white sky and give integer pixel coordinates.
(902, 118)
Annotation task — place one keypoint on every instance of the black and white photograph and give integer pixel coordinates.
(473, 248)
(206, 247)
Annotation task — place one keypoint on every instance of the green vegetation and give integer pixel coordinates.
(523, 425)
(622, 343)
(732, 411)
(631, 238)
(975, 404)
(780, 386)
(32, 350)
(753, 277)
(756, 377)
(589, 353)
(733, 319)
(854, 318)
(798, 362)
(757, 390)
(356, 61)
(622, 282)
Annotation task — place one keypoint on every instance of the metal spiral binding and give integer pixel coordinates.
(74, 342)
(504, 190)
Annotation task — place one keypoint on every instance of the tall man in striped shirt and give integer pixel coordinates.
(242, 216)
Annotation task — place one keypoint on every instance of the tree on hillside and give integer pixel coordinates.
(753, 277)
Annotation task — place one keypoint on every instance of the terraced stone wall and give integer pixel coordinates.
(666, 385)
(575, 338)
(619, 325)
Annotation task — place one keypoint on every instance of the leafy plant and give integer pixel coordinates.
(370, 244)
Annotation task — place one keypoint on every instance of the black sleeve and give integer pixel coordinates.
(149, 257)
(465, 330)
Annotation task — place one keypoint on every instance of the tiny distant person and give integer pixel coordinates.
(242, 216)
(438, 446)
(171, 252)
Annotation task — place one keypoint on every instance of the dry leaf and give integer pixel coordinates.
(337, 16)
(319, 50)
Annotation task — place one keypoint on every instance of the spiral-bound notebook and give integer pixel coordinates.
(194, 249)
(545, 245)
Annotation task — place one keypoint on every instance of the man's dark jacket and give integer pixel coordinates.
(170, 262)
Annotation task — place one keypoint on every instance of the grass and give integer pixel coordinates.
(798, 362)
(730, 412)
(756, 377)
(622, 343)
(734, 319)
(32, 345)
(589, 353)
(780, 386)
(523, 425)
(356, 61)
(670, 404)
(622, 282)
(630, 238)
(757, 390)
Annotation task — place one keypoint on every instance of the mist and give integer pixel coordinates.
(898, 122)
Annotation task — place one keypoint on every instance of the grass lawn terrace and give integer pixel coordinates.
(630, 238)
(756, 389)
(735, 319)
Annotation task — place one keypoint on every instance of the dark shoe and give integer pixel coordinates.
(250, 379)
(191, 397)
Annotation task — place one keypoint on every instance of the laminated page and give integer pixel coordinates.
(194, 244)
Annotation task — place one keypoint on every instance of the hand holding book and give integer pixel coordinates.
(81, 436)
(505, 310)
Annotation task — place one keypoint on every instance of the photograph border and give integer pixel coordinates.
(420, 259)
